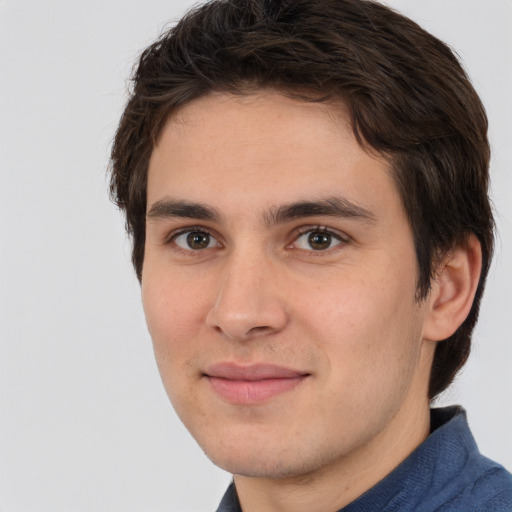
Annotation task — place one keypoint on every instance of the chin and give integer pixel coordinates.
(264, 459)
(262, 466)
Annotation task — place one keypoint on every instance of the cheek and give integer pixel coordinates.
(173, 313)
(370, 330)
(171, 302)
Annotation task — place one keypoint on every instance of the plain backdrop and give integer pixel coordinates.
(84, 422)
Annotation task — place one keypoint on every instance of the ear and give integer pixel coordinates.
(453, 290)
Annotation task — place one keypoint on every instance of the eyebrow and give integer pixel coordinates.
(338, 207)
(168, 208)
(331, 207)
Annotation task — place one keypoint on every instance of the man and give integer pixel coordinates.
(306, 186)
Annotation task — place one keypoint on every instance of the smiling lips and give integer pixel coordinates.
(249, 385)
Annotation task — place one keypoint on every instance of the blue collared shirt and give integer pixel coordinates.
(446, 473)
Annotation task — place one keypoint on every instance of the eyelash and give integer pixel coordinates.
(336, 235)
(296, 235)
(171, 239)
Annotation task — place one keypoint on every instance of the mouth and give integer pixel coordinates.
(253, 384)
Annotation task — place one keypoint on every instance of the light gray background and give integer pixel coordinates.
(84, 422)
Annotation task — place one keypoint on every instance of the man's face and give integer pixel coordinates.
(278, 286)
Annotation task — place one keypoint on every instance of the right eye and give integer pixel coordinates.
(195, 240)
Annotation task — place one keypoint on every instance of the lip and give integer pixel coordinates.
(252, 384)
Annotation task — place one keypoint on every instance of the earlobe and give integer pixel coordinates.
(453, 290)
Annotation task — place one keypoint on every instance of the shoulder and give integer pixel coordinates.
(462, 479)
(488, 489)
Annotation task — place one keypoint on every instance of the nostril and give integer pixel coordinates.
(259, 330)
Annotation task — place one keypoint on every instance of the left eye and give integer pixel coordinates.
(317, 240)
(195, 240)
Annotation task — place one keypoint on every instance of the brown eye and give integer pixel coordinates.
(319, 241)
(195, 240)
(198, 240)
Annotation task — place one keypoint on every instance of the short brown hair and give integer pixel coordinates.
(407, 95)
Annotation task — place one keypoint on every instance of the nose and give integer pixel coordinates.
(248, 301)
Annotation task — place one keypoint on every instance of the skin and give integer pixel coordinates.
(341, 313)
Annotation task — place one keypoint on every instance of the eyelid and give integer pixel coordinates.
(171, 237)
(322, 229)
(296, 233)
(302, 230)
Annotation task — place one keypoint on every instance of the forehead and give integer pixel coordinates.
(265, 149)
